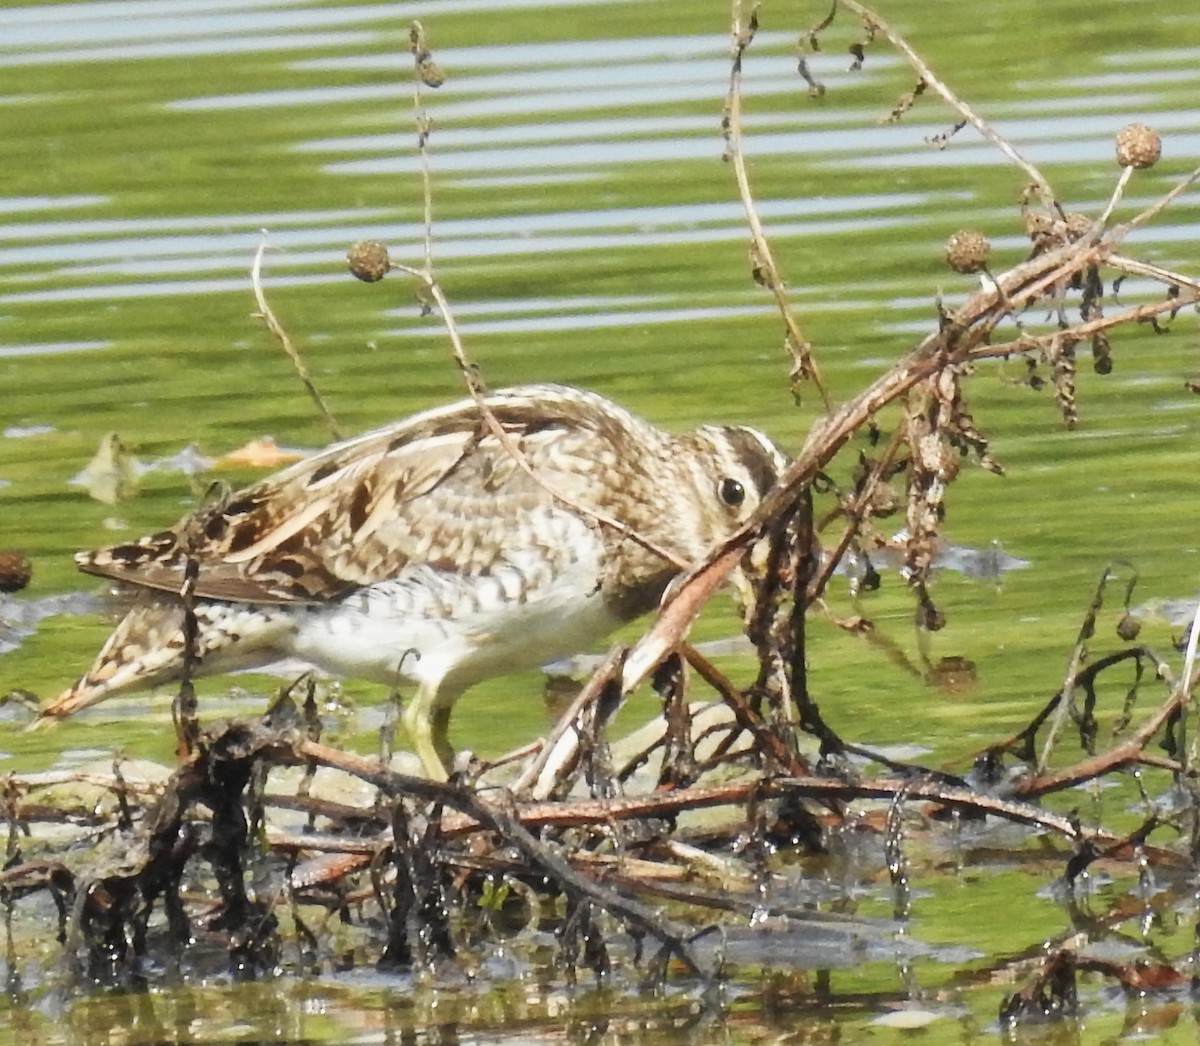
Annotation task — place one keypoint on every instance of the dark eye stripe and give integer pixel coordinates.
(750, 450)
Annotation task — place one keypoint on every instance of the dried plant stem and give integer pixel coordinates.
(424, 128)
(510, 827)
(1188, 681)
(538, 777)
(964, 340)
(682, 606)
(1128, 753)
(47, 779)
(1135, 314)
(184, 708)
(766, 271)
(856, 513)
(576, 812)
(766, 740)
(291, 747)
(1157, 207)
(281, 335)
(1136, 267)
(1117, 193)
(1066, 699)
(868, 15)
(428, 281)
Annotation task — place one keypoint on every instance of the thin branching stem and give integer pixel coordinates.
(285, 342)
(1188, 679)
(855, 514)
(431, 286)
(1117, 193)
(1157, 207)
(931, 79)
(765, 268)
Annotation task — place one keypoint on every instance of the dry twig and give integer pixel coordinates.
(285, 342)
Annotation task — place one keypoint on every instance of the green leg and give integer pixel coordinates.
(427, 720)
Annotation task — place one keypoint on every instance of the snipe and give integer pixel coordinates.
(424, 551)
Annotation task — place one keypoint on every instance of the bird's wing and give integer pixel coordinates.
(436, 488)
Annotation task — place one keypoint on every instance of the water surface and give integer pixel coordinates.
(586, 231)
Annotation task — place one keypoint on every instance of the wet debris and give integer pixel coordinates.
(112, 474)
(16, 571)
(261, 453)
(19, 618)
(678, 852)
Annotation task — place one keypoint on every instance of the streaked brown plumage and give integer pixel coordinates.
(425, 551)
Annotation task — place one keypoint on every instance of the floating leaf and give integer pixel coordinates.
(261, 453)
(112, 474)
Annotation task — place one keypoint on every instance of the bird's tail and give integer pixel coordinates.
(147, 648)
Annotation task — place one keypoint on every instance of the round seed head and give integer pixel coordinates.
(967, 251)
(1037, 225)
(1138, 146)
(431, 74)
(1078, 225)
(368, 260)
(15, 571)
(1128, 628)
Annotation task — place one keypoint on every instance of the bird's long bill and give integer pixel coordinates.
(743, 589)
(740, 579)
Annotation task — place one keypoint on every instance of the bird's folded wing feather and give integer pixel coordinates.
(360, 511)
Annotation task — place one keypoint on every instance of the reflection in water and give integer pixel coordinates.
(25, 431)
(147, 250)
(50, 348)
(544, 80)
(19, 618)
(979, 564)
(600, 320)
(1176, 612)
(23, 204)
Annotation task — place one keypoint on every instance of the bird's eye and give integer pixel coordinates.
(731, 492)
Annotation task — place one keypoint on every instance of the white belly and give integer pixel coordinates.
(448, 632)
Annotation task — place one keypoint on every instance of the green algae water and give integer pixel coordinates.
(586, 231)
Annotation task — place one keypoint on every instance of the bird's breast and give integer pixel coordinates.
(431, 623)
